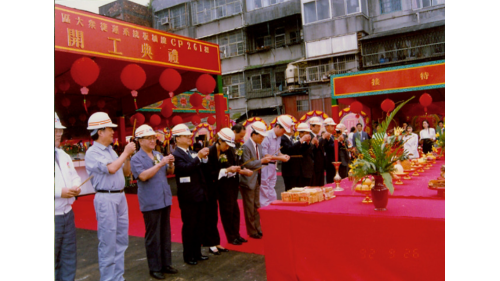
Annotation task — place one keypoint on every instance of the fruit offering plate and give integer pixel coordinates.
(280, 202)
(439, 186)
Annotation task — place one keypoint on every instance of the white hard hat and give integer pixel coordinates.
(286, 122)
(144, 131)
(340, 127)
(100, 120)
(315, 121)
(181, 130)
(329, 121)
(58, 124)
(303, 127)
(227, 135)
(259, 127)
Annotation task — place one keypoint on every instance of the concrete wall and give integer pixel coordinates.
(237, 103)
(163, 4)
(336, 27)
(272, 12)
(233, 64)
(219, 26)
(264, 102)
(293, 52)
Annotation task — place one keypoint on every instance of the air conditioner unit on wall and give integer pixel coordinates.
(164, 21)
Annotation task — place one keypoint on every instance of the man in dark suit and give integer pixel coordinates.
(344, 158)
(306, 150)
(291, 170)
(191, 192)
(360, 134)
(329, 149)
(318, 152)
(250, 185)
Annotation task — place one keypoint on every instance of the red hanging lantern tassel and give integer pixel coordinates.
(133, 77)
(425, 100)
(196, 101)
(84, 71)
(387, 106)
(170, 80)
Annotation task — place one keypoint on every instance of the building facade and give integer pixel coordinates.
(128, 11)
(277, 56)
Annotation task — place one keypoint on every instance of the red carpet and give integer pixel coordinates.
(85, 218)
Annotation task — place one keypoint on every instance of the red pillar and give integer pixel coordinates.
(335, 111)
(121, 125)
(220, 111)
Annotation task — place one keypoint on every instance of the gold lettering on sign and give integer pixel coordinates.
(79, 21)
(375, 82)
(91, 24)
(424, 75)
(114, 29)
(173, 42)
(154, 37)
(163, 40)
(126, 32)
(104, 27)
(173, 56)
(65, 18)
(146, 51)
(180, 43)
(189, 46)
(145, 36)
(206, 49)
(75, 38)
(135, 33)
(115, 49)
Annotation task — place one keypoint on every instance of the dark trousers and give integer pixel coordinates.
(192, 215)
(318, 179)
(330, 173)
(291, 182)
(65, 247)
(343, 171)
(211, 235)
(158, 238)
(305, 182)
(229, 211)
(427, 146)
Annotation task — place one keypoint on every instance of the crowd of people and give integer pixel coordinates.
(208, 180)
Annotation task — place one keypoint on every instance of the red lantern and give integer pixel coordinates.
(425, 100)
(82, 117)
(387, 105)
(84, 71)
(356, 107)
(65, 102)
(195, 120)
(64, 86)
(155, 120)
(139, 117)
(170, 80)
(166, 111)
(196, 101)
(205, 84)
(101, 104)
(177, 120)
(133, 77)
(211, 120)
(72, 120)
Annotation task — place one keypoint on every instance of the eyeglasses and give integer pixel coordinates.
(150, 138)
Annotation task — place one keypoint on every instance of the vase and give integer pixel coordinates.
(380, 194)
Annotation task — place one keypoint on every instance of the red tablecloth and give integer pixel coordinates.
(417, 187)
(344, 239)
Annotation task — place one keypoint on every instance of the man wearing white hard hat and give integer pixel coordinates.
(271, 145)
(306, 163)
(318, 151)
(343, 150)
(328, 136)
(191, 192)
(109, 171)
(290, 171)
(66, 187)
(250, 184)
(223, 180)
(155, 200)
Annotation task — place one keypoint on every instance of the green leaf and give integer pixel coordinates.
(388, 181)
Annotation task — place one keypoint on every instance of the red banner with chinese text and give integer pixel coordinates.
(397, 79)
(95, 35)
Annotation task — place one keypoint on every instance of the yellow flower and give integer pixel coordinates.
(437, 135)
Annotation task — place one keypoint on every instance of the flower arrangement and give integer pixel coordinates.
(441, 141)
(157, 159)
(71, 148)
(223, 158)
(378, 157)
(239, 152)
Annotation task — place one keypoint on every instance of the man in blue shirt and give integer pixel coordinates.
(108, 171)
(155, 198)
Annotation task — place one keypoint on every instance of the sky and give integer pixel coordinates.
(92, 5)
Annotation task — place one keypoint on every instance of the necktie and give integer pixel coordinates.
(257, 151)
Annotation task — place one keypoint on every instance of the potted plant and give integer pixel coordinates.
(377, 157)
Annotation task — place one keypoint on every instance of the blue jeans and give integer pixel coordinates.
(65, 247)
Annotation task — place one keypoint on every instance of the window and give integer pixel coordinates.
(261, 82)
(280, 37)
(302, 105)
(338, 8)
(294, 38)
(389, 6)
(316, 10)
(177, 17)
(230, 44)
(280, 80)
(345, 7)
(209, 10)
(353, 6)
(264, 41)
(322, 70)
(234, 85)
(417, 4)
(255, 4)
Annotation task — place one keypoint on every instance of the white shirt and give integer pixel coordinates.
(429, 133)
(411, 145)
(65, 175)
